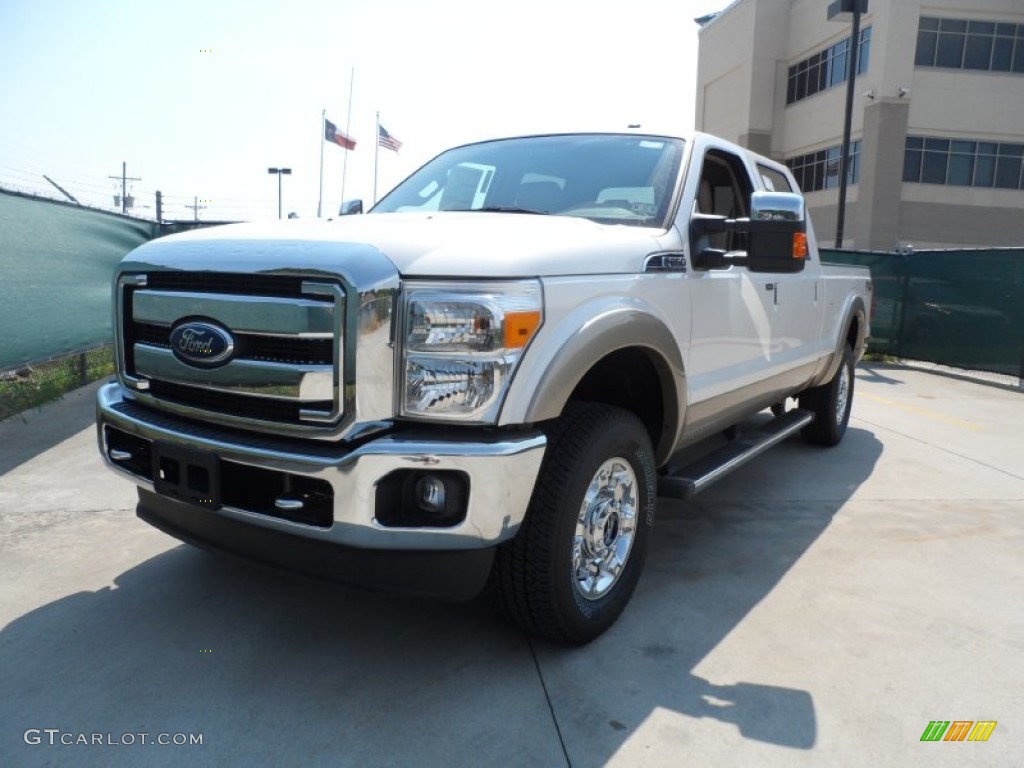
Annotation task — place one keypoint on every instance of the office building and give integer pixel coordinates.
(937, 141)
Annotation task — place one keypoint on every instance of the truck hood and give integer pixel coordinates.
(448, 243)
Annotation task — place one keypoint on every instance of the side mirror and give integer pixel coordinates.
(349, 207)
(778, 232)
(776, 235)
(704, 256)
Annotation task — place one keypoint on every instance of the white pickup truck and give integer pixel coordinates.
(490, 377)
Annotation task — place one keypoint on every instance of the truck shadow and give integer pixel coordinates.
(274, 668)
(714, 560)
(872, 372)
(25, 435)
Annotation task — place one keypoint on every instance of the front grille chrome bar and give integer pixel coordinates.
(266, 316)
(250, 377)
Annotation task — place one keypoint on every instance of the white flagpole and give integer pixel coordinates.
(320, 201)
(348, 132)
(376, 156)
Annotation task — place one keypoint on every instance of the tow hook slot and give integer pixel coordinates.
(186, 474)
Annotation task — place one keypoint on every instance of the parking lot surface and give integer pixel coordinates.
(817, 607)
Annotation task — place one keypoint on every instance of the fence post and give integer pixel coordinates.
(83, 370)
(903, 254)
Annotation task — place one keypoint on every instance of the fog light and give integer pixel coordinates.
(430, 494)
(416, 498)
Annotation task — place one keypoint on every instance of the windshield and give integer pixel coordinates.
(608, 178)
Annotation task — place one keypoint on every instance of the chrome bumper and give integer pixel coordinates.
(501, 469)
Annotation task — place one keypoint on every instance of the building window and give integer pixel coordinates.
(984, 46)
(963, 163)
(820, 170)
(827, 68)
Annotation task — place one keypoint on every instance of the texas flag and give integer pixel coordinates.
(331, 133)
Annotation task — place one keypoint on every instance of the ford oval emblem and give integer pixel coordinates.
(202, 344)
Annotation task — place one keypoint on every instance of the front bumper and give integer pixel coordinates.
(444, 574)
(501, 469)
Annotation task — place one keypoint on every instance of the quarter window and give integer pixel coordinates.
(773, 180)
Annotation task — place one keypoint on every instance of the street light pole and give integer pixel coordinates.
(856, 7)
(279, 172)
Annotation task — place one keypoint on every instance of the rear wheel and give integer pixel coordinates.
(571, 569)
(830, 403)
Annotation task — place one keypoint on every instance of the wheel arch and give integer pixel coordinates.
(854, 333)
(626, 358)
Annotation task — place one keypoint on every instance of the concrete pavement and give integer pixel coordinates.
(818, 607)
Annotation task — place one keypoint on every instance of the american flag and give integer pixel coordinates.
(386, 140)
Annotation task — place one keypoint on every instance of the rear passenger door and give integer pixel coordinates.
(796, 317)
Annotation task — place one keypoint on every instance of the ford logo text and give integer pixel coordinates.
(202, 344)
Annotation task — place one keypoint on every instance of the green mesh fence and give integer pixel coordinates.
(962, 308)
(56, 265)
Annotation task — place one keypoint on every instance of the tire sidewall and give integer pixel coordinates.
(827, 430)
(588, 618)
(846, 368)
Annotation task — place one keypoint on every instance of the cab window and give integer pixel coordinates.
(724, 190)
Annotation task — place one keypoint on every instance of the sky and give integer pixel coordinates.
(199, 99)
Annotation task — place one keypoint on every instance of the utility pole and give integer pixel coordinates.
(125, 178)
(196, 207)
(159, 207)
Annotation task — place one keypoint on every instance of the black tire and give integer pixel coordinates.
(830, 403)
(539, 579)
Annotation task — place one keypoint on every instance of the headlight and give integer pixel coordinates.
(461, 344)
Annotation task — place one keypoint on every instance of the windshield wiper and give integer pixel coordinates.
(509, 209)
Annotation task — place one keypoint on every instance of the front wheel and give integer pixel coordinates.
(830, 403)
(571, 569)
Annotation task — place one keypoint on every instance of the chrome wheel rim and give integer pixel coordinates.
(605, 529)
(842, 393)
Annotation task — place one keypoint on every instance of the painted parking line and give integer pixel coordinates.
(928, 413)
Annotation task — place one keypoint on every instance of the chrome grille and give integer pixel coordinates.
(286, 368)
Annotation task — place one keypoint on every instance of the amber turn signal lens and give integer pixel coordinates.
(520, 327)
(799, 245)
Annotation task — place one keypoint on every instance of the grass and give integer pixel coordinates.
(38, 384)
(880, 357)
